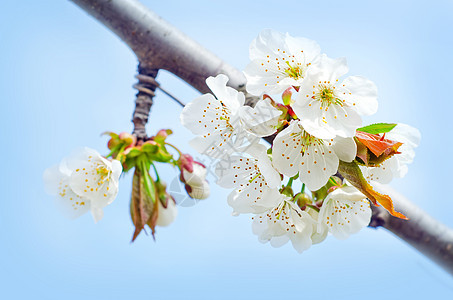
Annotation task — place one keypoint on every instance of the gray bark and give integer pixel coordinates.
(158, 45)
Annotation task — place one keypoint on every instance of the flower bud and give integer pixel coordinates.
(112, 143)
(198, 192)
(286, 96)
(128, 138)
(302, 199)
(164, 133)
(196, 177)
(167, 215)
(186, 162)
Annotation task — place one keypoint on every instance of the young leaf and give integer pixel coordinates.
(377, 128)
(377, 144)
(143, 206)
(351, 172)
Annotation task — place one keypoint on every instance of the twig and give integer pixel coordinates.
(159, 45)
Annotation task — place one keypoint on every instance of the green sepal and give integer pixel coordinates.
(150, 148)
(162, 155)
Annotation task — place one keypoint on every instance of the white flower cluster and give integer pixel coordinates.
(325, 114)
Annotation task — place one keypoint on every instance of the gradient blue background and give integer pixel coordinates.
(64, 79)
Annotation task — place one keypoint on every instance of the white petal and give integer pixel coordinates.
(97, 214)
(405, 134)
(345, 148)
(200, 192)
(345, 211)
(311, 114)
(227, 95)
(318, 164)
(247, 201)
(262, 120)
(262, 77)
(286, 151)
(53, 178)
(68, 203)
(166, 216)
(310, 48)
(328, 69)
(197, 177)
(201, 115)
(363, 94)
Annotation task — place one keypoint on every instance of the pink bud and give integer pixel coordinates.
(162, 133)
(286, 96)
(128, 138)
(112, 143)
(186, 163)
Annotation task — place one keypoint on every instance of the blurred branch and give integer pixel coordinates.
(159, 45)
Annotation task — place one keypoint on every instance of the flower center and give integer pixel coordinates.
(103, 172)
(294, 72)
(326, 95)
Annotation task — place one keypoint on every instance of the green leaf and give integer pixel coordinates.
(377, 128)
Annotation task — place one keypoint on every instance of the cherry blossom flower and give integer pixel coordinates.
(278, 61)
(328, 108)
(286, 222)
(224, 125)
(296, 151)
(395, 166)
(345, 211)
(255, 180)
(84, 181)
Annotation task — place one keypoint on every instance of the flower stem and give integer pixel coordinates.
(155, 172)
(290, 182)
(303, 188)
(174, 147)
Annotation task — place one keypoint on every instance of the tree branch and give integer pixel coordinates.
(159, 45)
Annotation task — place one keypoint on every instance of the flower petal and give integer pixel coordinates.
(363, 94)
(287, 148)
(318, 164)
(345, 148)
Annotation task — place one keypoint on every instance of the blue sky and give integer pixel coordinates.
(64, 79)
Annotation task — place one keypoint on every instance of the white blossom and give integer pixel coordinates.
(84, 181)
(328, 108)
(345, 211)
(296, 151)
(255, 180)
(278, 61)
(286, 222)
(395, 166)
(223, 123)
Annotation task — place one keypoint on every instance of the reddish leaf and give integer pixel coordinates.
(378, 145)
(352, 173)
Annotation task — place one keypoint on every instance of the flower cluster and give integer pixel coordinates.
(319, 141)
(88, 181)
